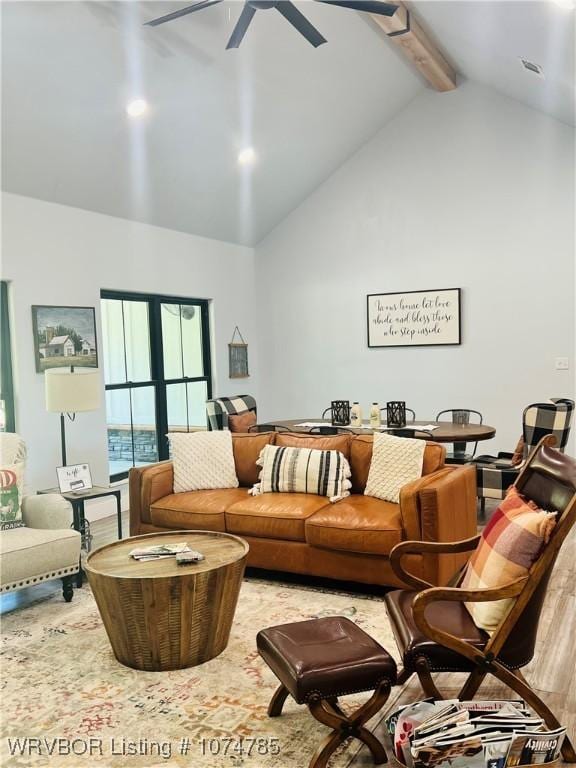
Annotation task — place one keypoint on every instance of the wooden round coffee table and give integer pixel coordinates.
(160, 615)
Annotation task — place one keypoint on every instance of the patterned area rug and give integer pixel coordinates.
(62, 686)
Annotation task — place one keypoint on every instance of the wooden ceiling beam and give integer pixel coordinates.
(404, 31)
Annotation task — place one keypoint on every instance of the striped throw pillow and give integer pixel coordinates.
(303, 470)
(509, 546)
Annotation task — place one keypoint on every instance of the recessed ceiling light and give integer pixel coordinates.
(247, 156)
(137, 108)
(568, 5)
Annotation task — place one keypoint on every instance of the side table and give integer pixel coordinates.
(79, 522)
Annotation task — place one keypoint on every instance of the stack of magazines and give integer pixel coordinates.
(472, 734)
(159, 552)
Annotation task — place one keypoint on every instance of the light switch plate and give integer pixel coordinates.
(562, 364)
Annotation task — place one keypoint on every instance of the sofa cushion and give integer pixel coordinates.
(361, 457)
(320, 442)
(246, 450)
(28, 555)
(202, 461)
(11, 495)
(356, 524)
(396, 461)
(195, 510)
(274, 515)
(241, 422)
(303, 470)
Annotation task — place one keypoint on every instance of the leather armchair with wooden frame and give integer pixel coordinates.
(433, 629)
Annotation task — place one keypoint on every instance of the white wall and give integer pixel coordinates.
(54, 254)
(467, 189)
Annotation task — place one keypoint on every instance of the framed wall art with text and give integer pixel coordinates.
(414, 318)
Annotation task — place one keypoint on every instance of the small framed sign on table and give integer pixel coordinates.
(75, 477)
(414, 318)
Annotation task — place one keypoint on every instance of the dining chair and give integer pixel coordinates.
(219, 408)
(435, 632)
(268, 428)
(461, 416)
(495, 474)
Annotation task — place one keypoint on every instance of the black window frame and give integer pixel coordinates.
(7, 376)
(158, 380)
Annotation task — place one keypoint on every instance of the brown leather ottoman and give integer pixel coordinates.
(319, 660)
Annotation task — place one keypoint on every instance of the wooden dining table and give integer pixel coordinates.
(443, 432)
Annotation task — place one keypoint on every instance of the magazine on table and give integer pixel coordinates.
(159, 551)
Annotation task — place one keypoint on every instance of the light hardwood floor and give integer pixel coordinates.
(552, 672)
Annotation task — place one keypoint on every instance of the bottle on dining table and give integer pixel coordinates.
(356, 415)
(375, 420)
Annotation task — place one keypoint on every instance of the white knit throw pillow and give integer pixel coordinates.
(202, 461)
(396, 461)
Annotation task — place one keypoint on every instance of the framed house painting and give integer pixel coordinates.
(414, 318)
(64, 336)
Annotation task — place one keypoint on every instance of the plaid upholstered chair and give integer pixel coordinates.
(495, 474)
(435, 632)
(218, 409)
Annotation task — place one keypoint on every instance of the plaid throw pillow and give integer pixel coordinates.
(303, 470)
(510, 544)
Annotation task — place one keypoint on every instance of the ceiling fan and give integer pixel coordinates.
(286, 8)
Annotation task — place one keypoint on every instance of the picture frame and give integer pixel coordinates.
(238, 357)
(74, 478)
(64, 336)
(414, 318)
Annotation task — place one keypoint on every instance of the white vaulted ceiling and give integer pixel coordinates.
(486, 39)
(69, 69)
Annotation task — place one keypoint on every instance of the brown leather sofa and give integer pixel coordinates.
(303, 533)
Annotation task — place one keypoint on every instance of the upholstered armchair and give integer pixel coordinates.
(48, 510)
(495, 474)
(41, 546)
(434, 630)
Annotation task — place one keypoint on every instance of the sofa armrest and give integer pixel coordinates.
(46, 510)
(448, 513)
(147, 485)
(410, 503)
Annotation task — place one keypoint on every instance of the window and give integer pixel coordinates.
(7, 418)
(157, 373)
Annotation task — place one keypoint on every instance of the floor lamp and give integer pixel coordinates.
(69, 392)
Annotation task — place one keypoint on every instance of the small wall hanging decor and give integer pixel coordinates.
(414, 319)
(238, 357)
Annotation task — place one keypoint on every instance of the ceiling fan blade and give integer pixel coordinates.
(298, 20)
(182, 12)
(381, 9)
(241, 26)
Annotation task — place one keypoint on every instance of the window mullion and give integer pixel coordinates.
(157, 361)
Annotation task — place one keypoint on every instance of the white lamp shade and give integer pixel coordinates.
(72, 392)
